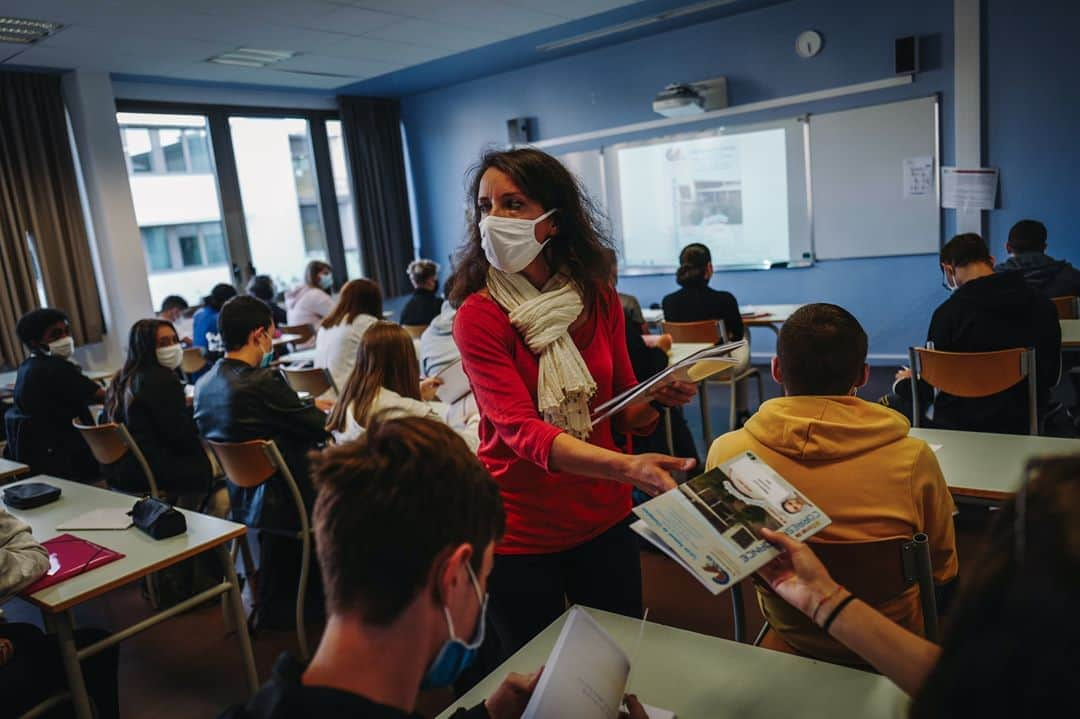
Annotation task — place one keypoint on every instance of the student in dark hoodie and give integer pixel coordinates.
(1027, 250)
(987, 312)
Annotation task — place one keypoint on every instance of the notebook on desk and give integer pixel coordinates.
(70, 556)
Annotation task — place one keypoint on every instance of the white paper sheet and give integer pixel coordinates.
(106, 518)
(918, 175)
(455, 383)
(963, 189)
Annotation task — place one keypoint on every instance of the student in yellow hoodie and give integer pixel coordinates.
(852, 458)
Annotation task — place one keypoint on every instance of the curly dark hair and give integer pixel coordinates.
(583, 246)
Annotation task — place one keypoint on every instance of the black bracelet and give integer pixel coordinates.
(836, 612)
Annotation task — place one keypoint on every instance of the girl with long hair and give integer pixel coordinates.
(358, 307)
(147, 396)
(542, 339)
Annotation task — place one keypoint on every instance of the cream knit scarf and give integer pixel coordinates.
(543, 317)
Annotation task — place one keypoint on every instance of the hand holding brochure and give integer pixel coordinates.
(697, 367)
(712, 524)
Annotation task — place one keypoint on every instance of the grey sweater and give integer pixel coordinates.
(22, 559)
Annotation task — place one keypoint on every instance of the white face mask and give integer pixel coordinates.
(509, 243)
(170, 357)
(63, 347)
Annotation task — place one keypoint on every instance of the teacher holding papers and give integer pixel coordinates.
(541, 335)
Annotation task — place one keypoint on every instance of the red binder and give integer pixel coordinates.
(70, 556)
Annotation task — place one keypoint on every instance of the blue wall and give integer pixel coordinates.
(1032, 108)
(893, 297)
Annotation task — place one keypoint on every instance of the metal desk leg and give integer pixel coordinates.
(738, 613)
(706, 421)
(238, 617)
(667, 431)
(61, 625)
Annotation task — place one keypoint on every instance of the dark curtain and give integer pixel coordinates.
(376, 157)
(39, 194)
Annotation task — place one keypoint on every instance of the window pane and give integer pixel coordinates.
(214, 241)
(168, 205)
(156, 247)
(190, 251)
(346, 212)
(137, 146)
(198, 150)
(173, 150)
(277, 180)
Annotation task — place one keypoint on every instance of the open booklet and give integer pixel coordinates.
(711, 525)
(455, 383)
(697, 367)
(585, 676)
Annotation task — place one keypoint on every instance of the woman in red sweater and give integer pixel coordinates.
(541, 335)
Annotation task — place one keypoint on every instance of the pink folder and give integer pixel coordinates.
(70, 556)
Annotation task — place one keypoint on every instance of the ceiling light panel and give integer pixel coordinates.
(25, 30)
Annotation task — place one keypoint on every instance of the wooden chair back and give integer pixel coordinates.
(971, 374)
(193, 360)
(1068, 307)
(415, 330)
(704, 331)
(110, 442)
(305, 332)
(246, 464)
(315, 380)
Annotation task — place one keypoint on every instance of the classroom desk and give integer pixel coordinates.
(286, 339)
(10, 470)
(1070, 333)
(143, 555)
(307, 355)
(7, 379)
(698, 676)
(771, 316)
(989, 467)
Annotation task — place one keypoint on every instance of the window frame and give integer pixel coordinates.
(223, 166)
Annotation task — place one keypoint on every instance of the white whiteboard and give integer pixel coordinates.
(857, 181)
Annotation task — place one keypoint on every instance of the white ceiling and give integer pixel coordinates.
(344, 40)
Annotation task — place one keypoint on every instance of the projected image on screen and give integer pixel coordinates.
(728, 192)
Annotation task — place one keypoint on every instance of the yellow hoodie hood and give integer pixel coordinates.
(825, 428)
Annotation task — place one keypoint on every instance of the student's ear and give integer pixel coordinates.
(865, 375)
(452, 573)
(993, 262)
(708, 272)
(777, 377)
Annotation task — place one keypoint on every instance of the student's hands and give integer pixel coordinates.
(324, 404)
(7, 651)
(634, 710)
(512, 696)
(675, 394)
(797, 575)
(428, 385)
(661, 341)
(902, 374)
(651, 472)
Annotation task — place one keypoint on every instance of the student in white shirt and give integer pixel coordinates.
(358, 307)
(386, 379)
(310, 302)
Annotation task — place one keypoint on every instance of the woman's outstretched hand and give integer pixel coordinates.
(797, 575)
(651, 473)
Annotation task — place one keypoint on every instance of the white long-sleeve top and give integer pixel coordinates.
(22, 558)
(336, 347)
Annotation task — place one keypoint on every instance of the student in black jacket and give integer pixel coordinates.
(425, 304)
(406, 523)
(696, 301)
(147, 396)
(987, 312)
(50, 391)
(1027, 247)
(240, 399)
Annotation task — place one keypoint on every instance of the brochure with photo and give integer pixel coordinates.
(696, 368)
(711, 525)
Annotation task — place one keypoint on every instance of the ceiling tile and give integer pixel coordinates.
(411, 8)
(370, 48)
(422, 32)
(351, 20)
(572, 9)
(485, 16)
(338, 65)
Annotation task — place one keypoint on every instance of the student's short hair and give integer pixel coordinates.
(173, 302)
(1027, 236)
(822, 350)
(33, 324)
(241, 316)
(218, 296)
(420, 271)
(391, 505)
(964, 250)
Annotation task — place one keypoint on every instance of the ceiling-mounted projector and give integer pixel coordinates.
(691, 98)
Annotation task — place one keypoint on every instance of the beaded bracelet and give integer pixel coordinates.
(836, 612)
(827, 597)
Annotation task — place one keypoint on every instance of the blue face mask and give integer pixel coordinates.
(455, 656)
(326, 281)
(267, 357)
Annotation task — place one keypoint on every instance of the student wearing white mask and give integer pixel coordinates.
(147, 396)
(309, 303)
(542, 339)
(50, 390)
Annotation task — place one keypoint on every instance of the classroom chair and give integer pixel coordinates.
(248, 465)
(1068, 307)
(974, 374)
(315, 380)
(876, 572)
(305, 332)
(415, 330)
(713, 331)
(110, 443)
(193, 361)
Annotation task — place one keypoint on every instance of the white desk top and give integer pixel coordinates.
(7, 379)
(142, 553)
(775, 314)
(9, 469)
(307, 355)
(1070, 333)
(989, 466)
(698, 676)
(285, 339)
